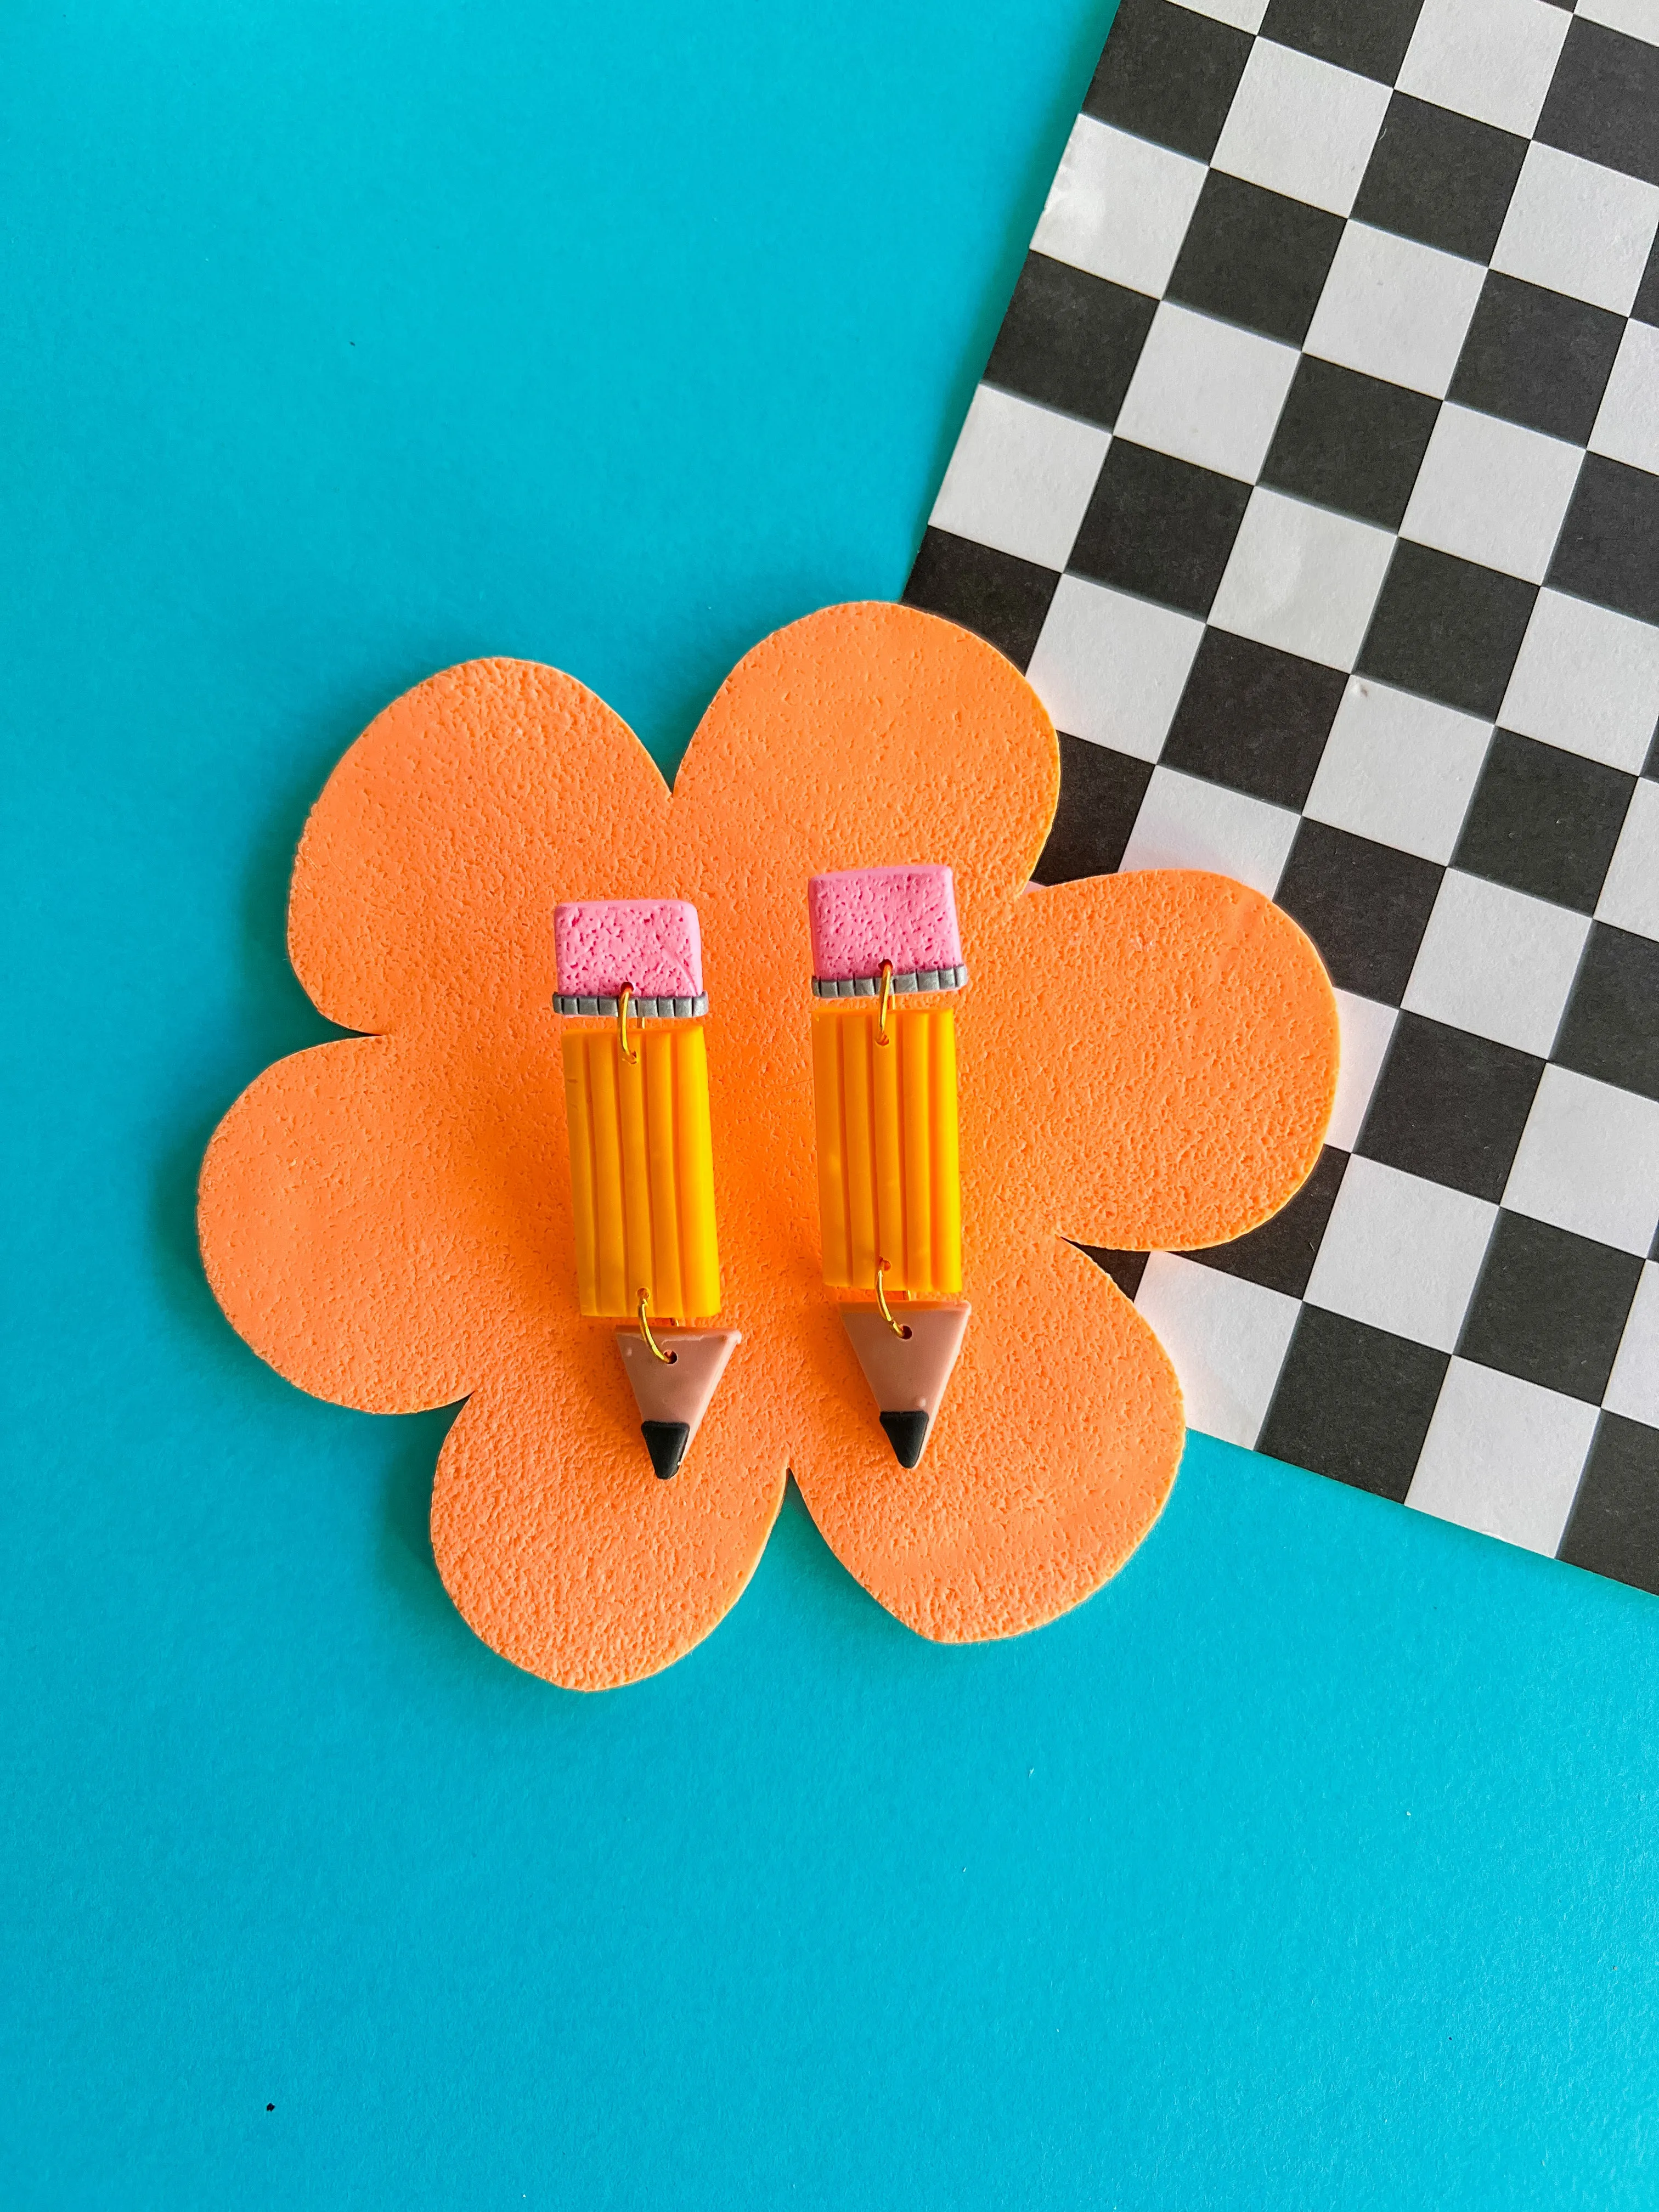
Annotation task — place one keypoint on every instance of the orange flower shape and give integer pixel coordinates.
(1145, 1062)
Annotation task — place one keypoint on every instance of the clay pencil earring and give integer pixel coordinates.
(884, 1082)
(642, 1159)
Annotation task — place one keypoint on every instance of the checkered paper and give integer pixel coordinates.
(1314, 480)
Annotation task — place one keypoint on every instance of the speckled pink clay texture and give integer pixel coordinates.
(861, 916)
(655, 944)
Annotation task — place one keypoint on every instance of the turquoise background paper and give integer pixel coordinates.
(1312, 1863)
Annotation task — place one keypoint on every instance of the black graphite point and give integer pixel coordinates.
(906, 1433)
(666, 1441)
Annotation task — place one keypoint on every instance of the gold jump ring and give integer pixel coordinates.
(899, 1328)
(882, 1037)
(652, 1345)
(624, 1000)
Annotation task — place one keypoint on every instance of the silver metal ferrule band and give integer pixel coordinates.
(869, 986)
(644, 1010)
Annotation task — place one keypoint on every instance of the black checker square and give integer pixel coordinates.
(1100, 795)
(1451, 1107)
(1353, 1402)
(1448, 629)
(1280, 1255)
(1603, 100)
(1365, 905)
(1125, 1268)
(1369, 39)
(1002, 599)
(1167, 75)
(1159, 527)
(1253, 257)
(1550, 1307)
(1350, 441)
(1611, 1028)
(1613, 1527)
(1537, 357)
(1646, 308)
(1544, 821)
(1608, 549)
(1440, 177)
(1253, 718)
(1069, 340)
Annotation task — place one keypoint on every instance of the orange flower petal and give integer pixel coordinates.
(378, 1217)
(864, 735)
(558, 1543)
(386, 1221)
(423, 885)
(1171, 1044)
(1051, 1456)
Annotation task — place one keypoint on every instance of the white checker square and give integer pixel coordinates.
(1242, 15)
(1187, 822)
(1493, 60)
(1020, 478)
(1496, 962)
(1399, 769)
(1576, 227)
(1633, 1386)
(1630, 895)
(1303, 578)
(1586, 679)
(1503, 1457)
(1366, 1028)
(1637, 19)
(1401, 1253)
(1118, 206)
(1394, 309)
(1227, 1339)
(1301, 127)
(1110, 668)
(1627, 427)
(1491, 492)
(1588, 1161)
(1206, 391)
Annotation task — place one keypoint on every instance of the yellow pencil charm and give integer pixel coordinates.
(641, 1156)
(884, 1083)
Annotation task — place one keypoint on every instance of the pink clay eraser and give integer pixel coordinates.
(654, 945)
(862, 916)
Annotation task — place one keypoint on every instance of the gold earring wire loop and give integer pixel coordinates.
(899, 1328)
(652, 1346)
(882, 1037)
(624, 1000)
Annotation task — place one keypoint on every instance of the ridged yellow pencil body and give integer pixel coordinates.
(889, 1187)
(642, 1172)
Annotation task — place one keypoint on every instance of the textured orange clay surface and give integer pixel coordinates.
(1145, 1060)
